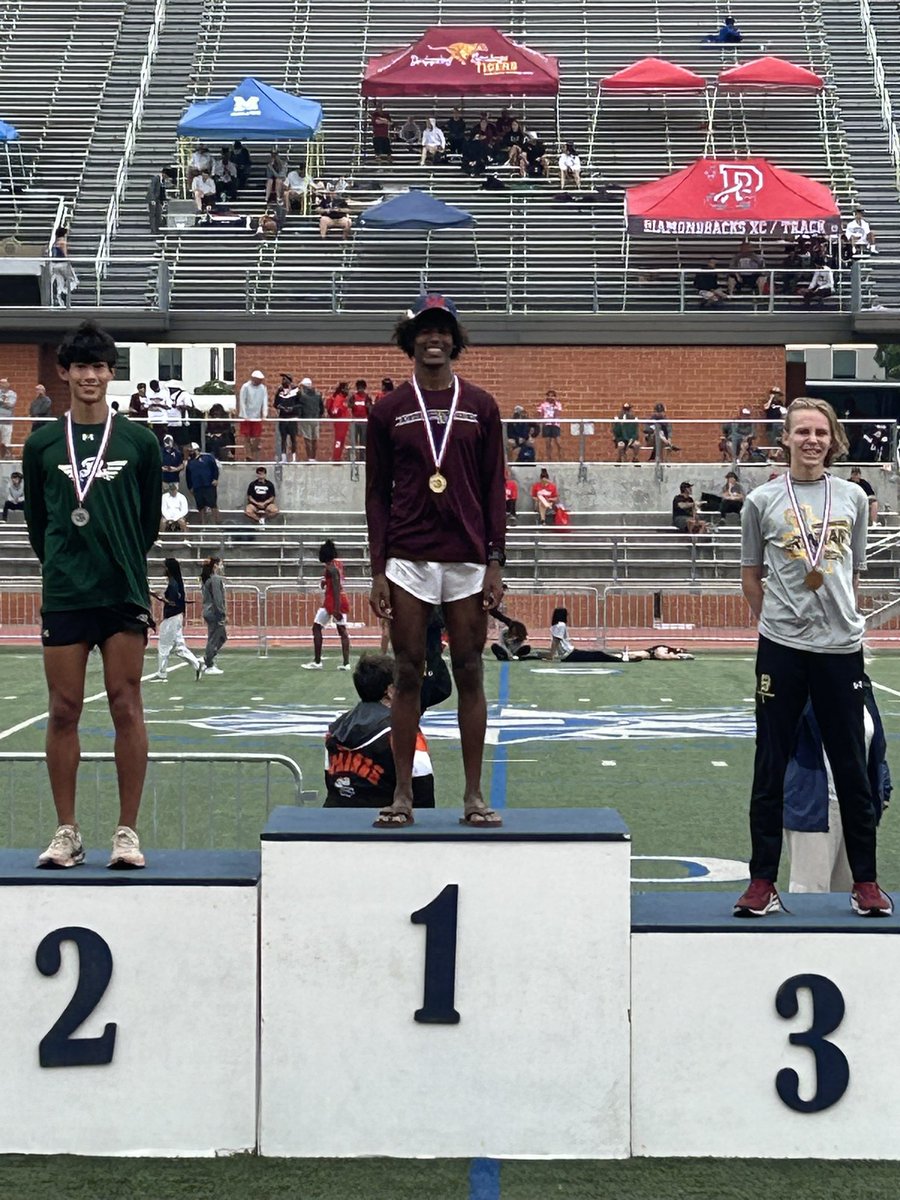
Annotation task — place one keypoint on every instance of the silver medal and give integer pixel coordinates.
(80, 517)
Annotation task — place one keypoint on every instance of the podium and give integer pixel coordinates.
(129, 1005)
(443, 990)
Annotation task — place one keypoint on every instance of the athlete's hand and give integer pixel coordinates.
(380, 598)
(492, 589)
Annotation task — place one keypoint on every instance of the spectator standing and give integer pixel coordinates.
(434, 144)
(545, 495)
(240, 156)
(215, 612)
(261, 504)
(63, 279)
(856, 476)
(387, 385)
(570, 166)
(201, 475)
(286, 403)
(625, 434)
(276, 173)
(7, 409)
(338, 409)
(549, 410)
(380, 122)
(172, 461)
(171, 629)
(15, 495)
(253, 408)
(859, 234)
(174, 510)
(360, 407)
(774, 412)
(156, 199)
(311, 409)
(40, 407)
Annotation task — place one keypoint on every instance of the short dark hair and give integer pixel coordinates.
(361, 385)
(328, 551)
(406, 329)
(373, 675)
(86, 344)
(560, 614)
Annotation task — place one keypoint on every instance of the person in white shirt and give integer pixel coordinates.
(253, 408)
(174, 510)
(569, 166)
(858, 233)
(201, 160)
(7, 408)
(296, 185)
(433, 141)
(820, 286)
(203, 189)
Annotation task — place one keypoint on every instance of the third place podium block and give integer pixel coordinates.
(442, 990)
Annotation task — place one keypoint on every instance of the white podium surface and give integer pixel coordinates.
(494, 1023)
(769, 1038)
(129, 1004)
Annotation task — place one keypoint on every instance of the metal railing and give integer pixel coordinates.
(884, 99)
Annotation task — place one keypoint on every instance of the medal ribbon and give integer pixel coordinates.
(82, 491)
(437, 458)
(813, 553)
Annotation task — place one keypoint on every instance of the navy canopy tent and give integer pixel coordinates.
(415, 210)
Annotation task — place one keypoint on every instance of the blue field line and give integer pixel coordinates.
(484, 1179)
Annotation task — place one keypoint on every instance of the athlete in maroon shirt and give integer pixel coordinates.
(436, 513)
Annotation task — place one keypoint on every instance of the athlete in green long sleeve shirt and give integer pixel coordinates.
(93, 546)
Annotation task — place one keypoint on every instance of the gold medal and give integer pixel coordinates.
(437, 482)
(814, 579)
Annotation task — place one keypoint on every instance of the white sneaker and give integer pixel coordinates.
(213, 670)
(126, 851)
(313, 666)
(199, 670)
(344, 667)
(157, 678)
(66, 849)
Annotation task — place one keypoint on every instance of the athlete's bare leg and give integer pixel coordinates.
(317, 643)
(410, 620)
(123, 661)
(345, 642)
(466, 622)
(64, 668)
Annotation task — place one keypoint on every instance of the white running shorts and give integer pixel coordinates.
(323, 616)
(436, 582)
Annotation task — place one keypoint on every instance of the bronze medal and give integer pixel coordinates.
(814, 579)
(437, 482)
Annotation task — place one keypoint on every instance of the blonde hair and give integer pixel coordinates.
(839, 445)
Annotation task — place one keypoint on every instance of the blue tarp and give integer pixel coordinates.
(253, 112)
(8, 133)
(416, 210)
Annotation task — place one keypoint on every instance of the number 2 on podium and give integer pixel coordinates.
(439, 919)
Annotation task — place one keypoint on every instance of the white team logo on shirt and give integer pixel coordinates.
(109, 472)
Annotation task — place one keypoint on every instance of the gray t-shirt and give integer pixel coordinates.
(826, 621)
(253, 401)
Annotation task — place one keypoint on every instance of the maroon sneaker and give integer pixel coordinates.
(868, 900)
(760, 898)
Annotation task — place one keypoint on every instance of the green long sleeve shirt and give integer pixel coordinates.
(104, 563)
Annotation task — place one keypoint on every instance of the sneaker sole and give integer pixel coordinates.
(119, 864)
(870, 912)
(52, 865)
(774, 906)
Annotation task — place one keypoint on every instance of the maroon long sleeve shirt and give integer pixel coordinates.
(405, 518)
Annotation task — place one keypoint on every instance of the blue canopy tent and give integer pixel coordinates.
(9, 133)
(418, 210)
(253, 112)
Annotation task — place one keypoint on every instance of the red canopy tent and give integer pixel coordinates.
(648, 76)
(771, 74)
(456, 60)
(721, 197)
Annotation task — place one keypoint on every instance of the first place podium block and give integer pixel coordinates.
(445, 991)
(129, 1002)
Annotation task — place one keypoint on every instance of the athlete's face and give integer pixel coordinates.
(808, 439)
(87, 381)
(433, 344)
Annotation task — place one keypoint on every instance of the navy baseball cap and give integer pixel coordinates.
(433, 301)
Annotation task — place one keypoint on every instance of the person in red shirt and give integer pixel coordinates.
(512, 495)
(335, 607)
(338, 409)
(360, 407)
(436, 519)
(545, 495)
(381, 133)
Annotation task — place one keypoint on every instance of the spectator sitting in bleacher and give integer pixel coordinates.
(15, 495)
(545, 495)
(276, 173)
(475, 155)
(859, 234)
(261, 498)
(570, 166)
(203, 189)
(708, 286)
(527, 452)
(511, 147)
(220, 437)
(753, 453)
(410, 135)
(732, 496)
(746, 268)
(456, 132)
(511, 489)
(520, 429)
(625, 434)
(820, 286)
(434, 144)
(734, 436)
(684, 511)
(727, 32)
(536, 158)
(485, 125)
(658, 434)
(297, 184)
(174, 510)
(225, 176)
(240, 156)
(269, 225)
(333, 212)
(201, 160)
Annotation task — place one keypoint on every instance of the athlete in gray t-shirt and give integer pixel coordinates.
(806, 532)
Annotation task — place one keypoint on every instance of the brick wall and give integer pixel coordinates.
(693, 382)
